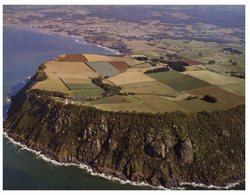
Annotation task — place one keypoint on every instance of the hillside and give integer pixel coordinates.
(130, 83)
(163, 148)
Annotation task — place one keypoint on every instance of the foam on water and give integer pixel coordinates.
(112, 178)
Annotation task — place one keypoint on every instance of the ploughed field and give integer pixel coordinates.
(158, 92)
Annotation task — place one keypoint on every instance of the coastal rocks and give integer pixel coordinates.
(155, 150)
(184, 151)
(135, 146)
(87, 152)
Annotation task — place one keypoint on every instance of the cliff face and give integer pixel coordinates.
(163, 149)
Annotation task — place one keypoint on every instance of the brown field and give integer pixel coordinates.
(96, 58)
(130, 76)
(223, 97)
(71, 58)
(121, 66)
(150, 87)
(193, 62)
(69, 70)
(212, 77)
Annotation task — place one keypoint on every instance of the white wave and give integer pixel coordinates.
(116, 52)
(81, 166)
(110, 177)
(230, 185)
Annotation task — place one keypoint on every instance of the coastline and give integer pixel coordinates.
(73, 37)
(112, 178)
(90, 170)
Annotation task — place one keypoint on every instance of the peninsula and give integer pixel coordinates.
(135, 117)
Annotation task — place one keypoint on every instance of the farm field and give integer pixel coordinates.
(223, 68)
(162, 104)
(87, 92)
(71, 58)
(152, 92)
(121, 66)
(178, 81)
(96, 58)
(235, 88)
(223, 97)
(130, 76)
(213, 77)
(150, 87)
(69, 70)
(52, 84)
(115, 100)
(104, 68)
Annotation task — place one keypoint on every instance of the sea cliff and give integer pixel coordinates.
(159, 149)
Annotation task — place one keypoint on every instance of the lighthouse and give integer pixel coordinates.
(66, 101)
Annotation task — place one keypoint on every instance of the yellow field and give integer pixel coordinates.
(96, 58)
(130, 76)
(212, 77)
(69, 70)
(52, 84)
(75, 80)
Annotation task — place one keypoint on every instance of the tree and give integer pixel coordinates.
(209, 99)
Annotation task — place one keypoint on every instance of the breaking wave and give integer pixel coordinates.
(112, 178)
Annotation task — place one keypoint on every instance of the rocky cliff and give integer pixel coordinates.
(161, 149)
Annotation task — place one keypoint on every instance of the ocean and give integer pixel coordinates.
(23, 52)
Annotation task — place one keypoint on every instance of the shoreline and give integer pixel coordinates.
(90, 170)
(77, 39)
(112, 178)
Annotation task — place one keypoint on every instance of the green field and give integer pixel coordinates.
(87, 92)
(150, 87)
(178, 81)
(162, 76)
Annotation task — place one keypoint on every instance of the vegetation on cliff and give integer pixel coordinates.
(161, 149)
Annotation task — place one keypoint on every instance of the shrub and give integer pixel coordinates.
(209, 99)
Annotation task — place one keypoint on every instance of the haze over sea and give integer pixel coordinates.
(23, 52)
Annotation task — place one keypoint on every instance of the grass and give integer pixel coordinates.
(178, 81)
(87, 92)
(130, 76)
(224, 98)
(235, 88)
(52, 84)
(150, 87)
(114, 100)
(75, 86)
(213, 77)
(104, 68)
(162, 76)
(184, 84)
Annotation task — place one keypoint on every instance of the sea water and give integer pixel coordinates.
(23, 52)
